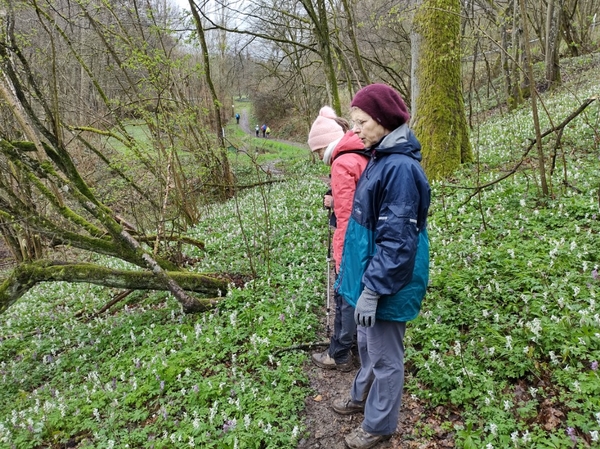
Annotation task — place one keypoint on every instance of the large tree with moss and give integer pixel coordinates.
(438, 110)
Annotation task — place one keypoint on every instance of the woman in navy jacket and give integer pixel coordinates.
(385, 260)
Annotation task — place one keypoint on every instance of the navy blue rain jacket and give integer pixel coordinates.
(386, 247)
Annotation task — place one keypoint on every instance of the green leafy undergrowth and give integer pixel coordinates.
(145, 374)
(510, 329)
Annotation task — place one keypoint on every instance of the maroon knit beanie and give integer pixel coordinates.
(383, 104)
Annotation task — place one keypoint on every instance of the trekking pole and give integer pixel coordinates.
(328, 309)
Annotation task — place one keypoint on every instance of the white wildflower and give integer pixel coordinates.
(533, 391)
(457, 350)
(213, 412)
(515, 437)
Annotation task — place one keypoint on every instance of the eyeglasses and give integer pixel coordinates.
(359, 124)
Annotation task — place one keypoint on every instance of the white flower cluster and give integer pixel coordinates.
(535, 326)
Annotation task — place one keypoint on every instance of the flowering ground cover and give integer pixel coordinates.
(508, 339)
(147, 375)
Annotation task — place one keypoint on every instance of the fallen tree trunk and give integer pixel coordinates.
(27, 275)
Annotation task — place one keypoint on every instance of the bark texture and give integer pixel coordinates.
(553, 42)
(439, 119)
(27, 275)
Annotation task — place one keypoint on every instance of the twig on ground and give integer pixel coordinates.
(303, 347)
(124, 294)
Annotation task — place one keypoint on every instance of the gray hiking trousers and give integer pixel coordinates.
(380, 379)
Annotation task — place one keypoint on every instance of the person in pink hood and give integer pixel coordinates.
(341, 148)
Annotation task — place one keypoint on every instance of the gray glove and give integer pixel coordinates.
(366, 307)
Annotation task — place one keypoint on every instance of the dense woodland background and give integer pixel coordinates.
(82, 80)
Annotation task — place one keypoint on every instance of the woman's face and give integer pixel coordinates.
(367, 129)
(321, 153)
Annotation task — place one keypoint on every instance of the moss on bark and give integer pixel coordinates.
(27, 275)
(440, 122)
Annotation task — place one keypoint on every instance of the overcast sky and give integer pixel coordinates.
(183, 4)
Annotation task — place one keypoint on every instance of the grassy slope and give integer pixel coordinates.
(507, 338)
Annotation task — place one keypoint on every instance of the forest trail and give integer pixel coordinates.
(249, 128)
(245, 122)
(325, 429)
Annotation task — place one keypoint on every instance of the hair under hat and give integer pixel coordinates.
(383, 104)
(324, 130)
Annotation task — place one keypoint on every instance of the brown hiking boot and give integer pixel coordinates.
(324, 360)
(346, 406)
(361, 439)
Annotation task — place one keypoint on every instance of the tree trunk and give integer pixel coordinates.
(569, 27)
(553, 43)
(349, 10)
(318, 15)
(27, 275)
(534, 94)
(511, 40)
(226, 169)
(438, 108)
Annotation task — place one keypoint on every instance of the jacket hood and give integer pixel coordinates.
(400, 141)
(350, 142)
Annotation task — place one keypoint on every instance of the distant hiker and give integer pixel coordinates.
(256, 129)
(237, 118)
(343, 150)
(385, 262)
(263, 129)
(268, 131)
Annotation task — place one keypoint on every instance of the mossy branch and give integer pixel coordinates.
(27, 275)
(174, 238)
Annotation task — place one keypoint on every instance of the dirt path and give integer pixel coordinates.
(249, 128)
(326, 429)
(245, 122)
